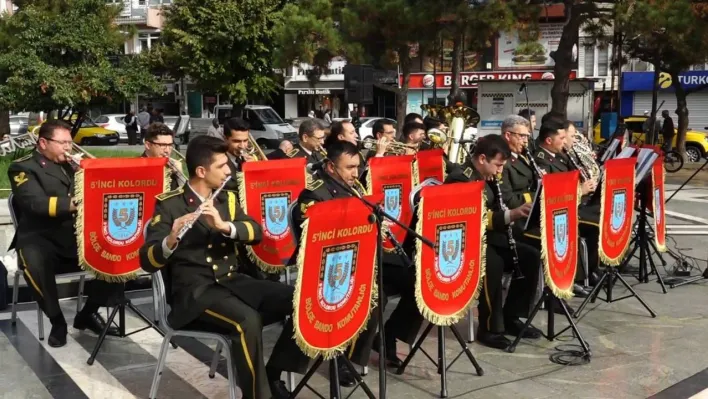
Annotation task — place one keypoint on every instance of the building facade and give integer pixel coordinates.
(303, 95)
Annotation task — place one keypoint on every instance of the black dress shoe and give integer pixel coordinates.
(278, 390)
(94, 322)
(57, 337)
(514, 327)
(392, 359)
(493, 340)
(346, 378)
(579, 291)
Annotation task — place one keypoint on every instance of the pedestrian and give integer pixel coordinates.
(215, 130)
(667, 130)
(131, 127)
(143, 122)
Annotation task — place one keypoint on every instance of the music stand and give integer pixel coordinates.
(611, 274)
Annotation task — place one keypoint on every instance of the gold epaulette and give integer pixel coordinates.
(21, 159)
(169, 194)
(468, 172)
(292, 152)
(314, 185)
(540, 155)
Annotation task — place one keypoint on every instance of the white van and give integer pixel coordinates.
(267, 127)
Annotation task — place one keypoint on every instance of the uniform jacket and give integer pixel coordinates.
(203, 268)
(519, 182)
(496, 226)
(42, 197)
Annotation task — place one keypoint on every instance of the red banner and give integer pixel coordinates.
(393, 178)
(431, 164)
(448, 276)
(656, 203)
(616, 210)
(117, 198)
(336, 287)
(266, 190)
(559, 231)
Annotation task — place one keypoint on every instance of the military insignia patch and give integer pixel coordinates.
(560, 233)
(155, 220)
(169, 194)
(274, 207)
(122, 218)
(468, 172)
(450, 251)
(24, 158)
(619, 201)
(304, 206)
(292, 152)
(20, 178)
(540, 155)
(337, 271)
(314, 185)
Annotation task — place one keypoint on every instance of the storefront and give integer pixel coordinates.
(299, 102)
(637, 93)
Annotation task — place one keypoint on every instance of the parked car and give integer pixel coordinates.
(91, 134)
(367, 125)
(696, 141)
(18, 125)
(267, 127)
(113, 122)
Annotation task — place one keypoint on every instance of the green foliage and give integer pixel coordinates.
(224, 46)
(57, 54)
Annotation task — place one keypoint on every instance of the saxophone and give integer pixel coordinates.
(509, 231)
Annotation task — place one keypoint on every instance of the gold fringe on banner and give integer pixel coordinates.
(265, 266)
(557, 291)
(659, 246)
(307, 349)
(425, 311)
(166, 185)
(80, 242)
(613, 262)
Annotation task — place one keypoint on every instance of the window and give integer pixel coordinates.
(603, 61)
(699, 67)
(589, 61)
(597, 61)
(146, 41)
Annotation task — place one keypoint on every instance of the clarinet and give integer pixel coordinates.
(534, 165)
(583, 174)
(509, 234)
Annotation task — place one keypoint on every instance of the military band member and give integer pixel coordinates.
(405, 321)
(207, 287)
(159, 143)
(311, 137)
(45, 240)
(490, 155)
(236, 131)
(413, 135)
(345, 131)
(552, 140)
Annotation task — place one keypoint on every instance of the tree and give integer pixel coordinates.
(56, 55)
(379, 32)
(223, 46)
(672, 35)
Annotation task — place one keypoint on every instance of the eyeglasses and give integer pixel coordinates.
(162, 145)
(64, 143)
(522, 135)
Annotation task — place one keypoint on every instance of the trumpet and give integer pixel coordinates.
(76, 155)
(187, 226)
(322, 151)
(254, 150)
(392, 148)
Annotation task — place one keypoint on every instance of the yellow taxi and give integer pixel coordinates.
(696, 142)
(91, 134)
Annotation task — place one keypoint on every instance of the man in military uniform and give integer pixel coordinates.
(208, 290)
(311, 136)
(413, 135)
(405, 321)
(552, 138)
(159, 143)
(236, 131)
(490, 155)
(345, 131)
(45, 240)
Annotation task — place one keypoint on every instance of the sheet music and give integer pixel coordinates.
(644, 168)
(610, 152)
(644, 153)
(626, 153)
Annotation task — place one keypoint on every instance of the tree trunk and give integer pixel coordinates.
(564, 63)
(456, 67)
(649, 136)
(682, 112)
(4, 123)
(404, 62)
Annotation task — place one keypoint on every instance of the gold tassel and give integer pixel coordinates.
(306, 348)
(80, 242)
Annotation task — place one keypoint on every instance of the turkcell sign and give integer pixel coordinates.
(643, 81)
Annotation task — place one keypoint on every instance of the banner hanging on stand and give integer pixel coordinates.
(616, 210)
(656, 203)
(431, 165)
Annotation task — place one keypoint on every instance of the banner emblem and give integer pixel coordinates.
(560, 233)
(392, 199)
(450, 251)
(122, 218)
(274, 210)
(619, 200)
(337, 277)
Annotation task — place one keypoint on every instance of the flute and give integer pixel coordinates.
(200, 210)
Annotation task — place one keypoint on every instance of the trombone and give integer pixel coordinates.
(254, 150)
(392, 148)
(174, 162)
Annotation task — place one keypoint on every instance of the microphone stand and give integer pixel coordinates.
(379, 215)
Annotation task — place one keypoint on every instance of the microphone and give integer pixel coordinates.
(317, 166)
(522, 87)
(465, 141)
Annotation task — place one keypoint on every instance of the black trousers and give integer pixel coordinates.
(492, 315)
(41, 261)
(406, 320)
(245, 326)
(132, 136)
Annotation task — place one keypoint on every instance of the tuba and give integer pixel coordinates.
(458, 117)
